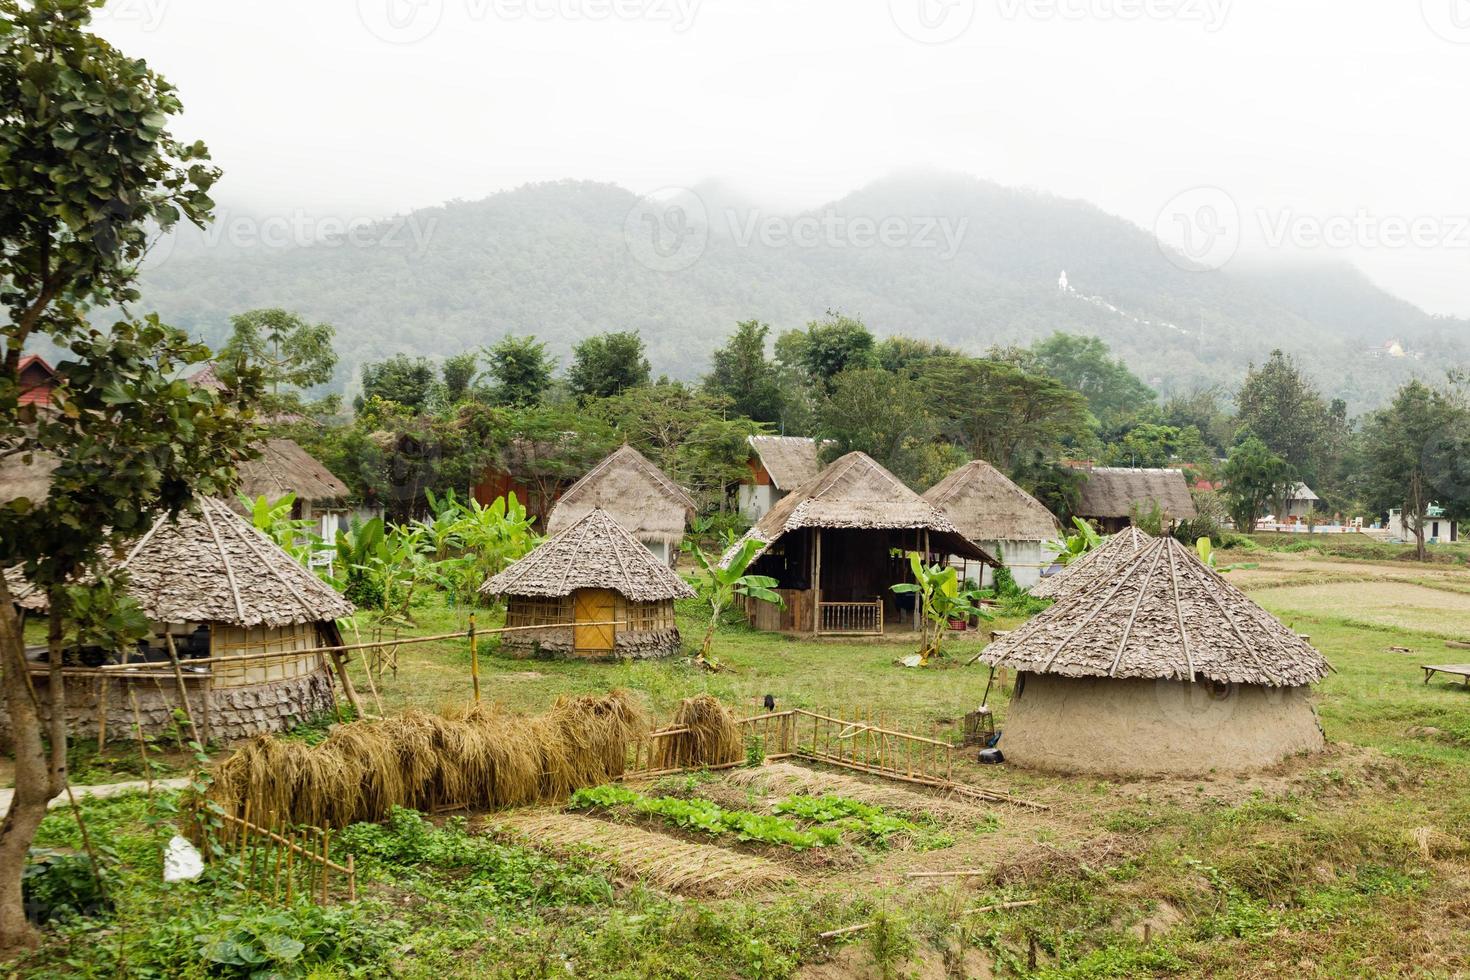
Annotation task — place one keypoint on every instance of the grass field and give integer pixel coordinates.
(1352, 863)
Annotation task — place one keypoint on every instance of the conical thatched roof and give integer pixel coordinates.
(1098, 565)
(284, 467)
(596, 552)
(214, 567)
(1164, 616)
(986, 506)
(636, 493)
(854, 492)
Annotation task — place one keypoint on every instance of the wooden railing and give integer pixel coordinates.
(862, 618)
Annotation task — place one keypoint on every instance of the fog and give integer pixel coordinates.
(1331, 128)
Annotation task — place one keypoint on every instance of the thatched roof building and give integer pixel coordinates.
(591, 590)
(220, 589)
(829, 543)
(638, 495)
(1114, 495)
(778, 465)
(284, 467)
(1098, 565)
(999, 516)
(1166, 667)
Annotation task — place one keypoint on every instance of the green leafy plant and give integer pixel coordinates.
(941, 600)
(1206, 551)
(876, 824)
(722, 583)
(707, 817)
(1070, 547)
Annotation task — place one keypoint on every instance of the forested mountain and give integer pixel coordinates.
(554, 260)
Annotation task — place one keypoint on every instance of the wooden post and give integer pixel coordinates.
(340, 659)
(474, 660)
(817, 582)
(102, 685)
(173, 658)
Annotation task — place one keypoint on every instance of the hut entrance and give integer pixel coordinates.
(594, 606)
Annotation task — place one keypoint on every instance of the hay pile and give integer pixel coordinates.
(713, 737)
(478, 756)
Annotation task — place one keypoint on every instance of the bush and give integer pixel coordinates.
(60, 885)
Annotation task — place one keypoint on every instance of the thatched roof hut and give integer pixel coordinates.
(999, 516)
(220, 589)
(830, 543)
(284, 467)
(1166, 667)
(1098, 565)
(778, 465)
(639, 496)
(1113, 495)
(590, 590)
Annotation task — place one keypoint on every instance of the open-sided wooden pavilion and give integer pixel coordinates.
(1163, 668)
(835, 546)
(590, 591)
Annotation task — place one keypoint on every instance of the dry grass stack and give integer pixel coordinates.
(476, 756)
(712, 737)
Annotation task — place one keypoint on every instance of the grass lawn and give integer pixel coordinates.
(1352, 863)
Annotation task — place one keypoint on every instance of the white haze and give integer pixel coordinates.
(1343, 116)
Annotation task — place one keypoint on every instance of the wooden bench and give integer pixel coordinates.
(1459, 670)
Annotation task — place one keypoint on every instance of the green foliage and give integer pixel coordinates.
(284, 347)
(608, 364)
(1071, 547)
(61, 885)
(1084, 364)
(707, 817)
(521, 371)
(469, 542)
(1417, 454)
(720, 585)
(741, 372)
(940, 598)
(1281, 408)
(1255, 477)
(874, 823)
(888, 417)
(458, 373)
(405, 381)
(827, 348)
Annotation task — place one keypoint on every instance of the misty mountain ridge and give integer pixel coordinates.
(942, 257)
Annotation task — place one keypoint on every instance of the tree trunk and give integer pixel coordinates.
(35, 783)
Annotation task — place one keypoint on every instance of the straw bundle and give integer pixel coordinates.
(713, 737)
(477, 757)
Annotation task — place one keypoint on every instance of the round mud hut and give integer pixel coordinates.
(1165, 669)
(591, 591)
(240, 615)
(1098, 565)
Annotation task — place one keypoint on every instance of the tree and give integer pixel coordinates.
(521, 371)
(283, 346)
(741, 372)
(458, 373)
(885, 416)
(1417, 452)
(1279, 406)
(1114, 394)
(908, 356)
(721, 584)
(827, 348)
(89, 168)
(1254, 478)
(608, 364)
(548, 446)
(1000, 413)
(403, 380)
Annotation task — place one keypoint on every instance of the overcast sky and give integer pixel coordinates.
(1343, 119)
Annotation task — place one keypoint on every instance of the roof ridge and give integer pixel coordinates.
(225, 558)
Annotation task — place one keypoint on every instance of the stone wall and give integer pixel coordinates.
(556, 642)
(234, 713)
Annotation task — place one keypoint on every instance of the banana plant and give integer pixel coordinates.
(273, 517)
(941, 599)
(721, 586)
(1205, 548)
(1070, 547)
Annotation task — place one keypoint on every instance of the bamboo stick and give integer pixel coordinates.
(173, 658)
(960, 788)
(474, 660)
(102, 687)
(279, 839)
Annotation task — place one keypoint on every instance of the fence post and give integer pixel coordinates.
(474, 659)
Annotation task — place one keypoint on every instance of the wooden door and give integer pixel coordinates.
(594, 606)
